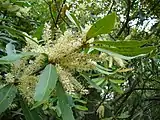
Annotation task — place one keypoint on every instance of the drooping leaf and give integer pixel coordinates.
(29, 115)
(123, 115)
(102, 26)
(46, 84)
(99, 80)
(80, 101)
(93, 84)
(38, 32)
(15, 32)
(117, 81)
(14, 57)
(109, 52)
(117, 88)
(10, 49)
(73, 19)
(80, 107)
(7, 94)
(122, 44)
(130, 48)
(65, 108)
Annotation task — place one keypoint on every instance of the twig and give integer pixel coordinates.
(59, 11)
(127, 19)
(50, 9)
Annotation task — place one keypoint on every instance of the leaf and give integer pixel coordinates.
(29, 115)
(124, 115)
(117, 88)
(102, 26)
(15, 32)
(91, 82)
(10, 49)
(122, 44)
(66, 111)
(117, 81)
(14, 57)
(7, 94)
(102, 49)
(99, 80)
(127, 48)
(46, 84)
(80, 101)
(73, 19)
(39, 32)
(80, 107)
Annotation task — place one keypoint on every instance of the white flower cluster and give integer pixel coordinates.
(69, 83)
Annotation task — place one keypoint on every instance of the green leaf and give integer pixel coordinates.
(117, 81)
(39, 32)
(102, 26)
(80, 101)
(117, 88)
(123, 115)
(66, 110)
(91, 82)
(102, 49)
(14, 57)
(7, 94)
(80, 107)
(73, 19)
(99, 80)
(127, 48)
(15, 32)
(29, 115)
(46, 84)
(10, 49)
(122, 44)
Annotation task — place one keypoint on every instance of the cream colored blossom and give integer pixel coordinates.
(27, 87)
(69, 83)
(78, 61)
(9, 78)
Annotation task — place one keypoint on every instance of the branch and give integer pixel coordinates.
(50, 9)
(59, 11)
(127, 19)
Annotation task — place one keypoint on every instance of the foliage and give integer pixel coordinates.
(62, 59)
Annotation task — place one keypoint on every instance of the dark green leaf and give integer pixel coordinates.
(66, 110)
(117, 88)
(39, 32)
(7, 94)
(122, 44)
(117, 81)
(102, 26)
(29, 115)
(46, 83)
(109, 52)
(91, 82)
(15, 32)
(80, 107)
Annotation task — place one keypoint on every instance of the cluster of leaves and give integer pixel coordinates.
(126, 75)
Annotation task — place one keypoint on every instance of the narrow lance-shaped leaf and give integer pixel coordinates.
(65, 108)
(102, 26)
(29, 115)
(46, 84)
(7, 94)
(14, 57)
(102, 49)
(122, 44)
(16, 32)
(73, 19)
